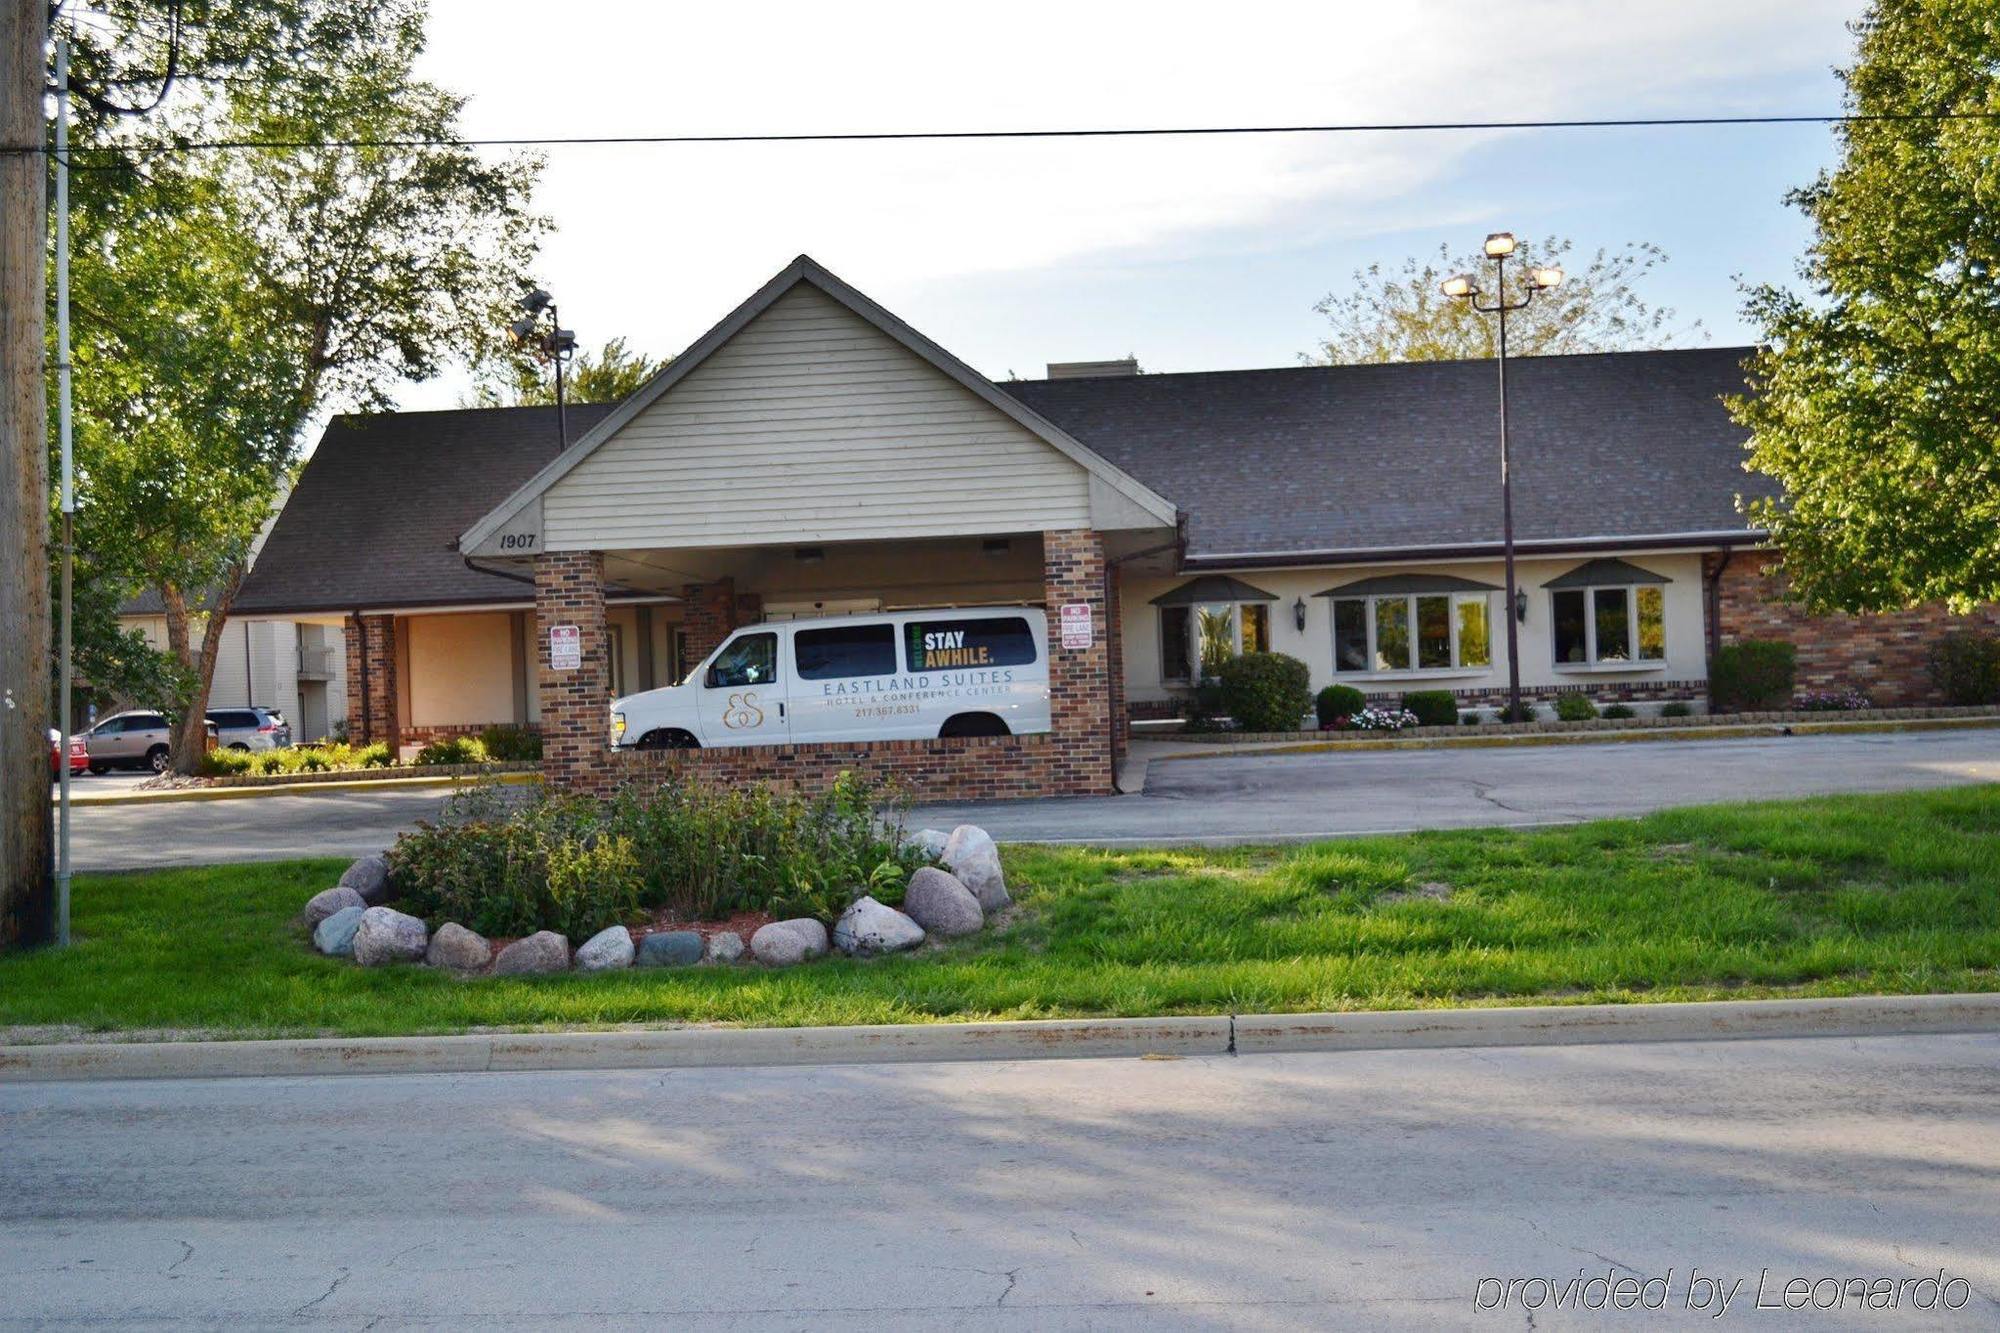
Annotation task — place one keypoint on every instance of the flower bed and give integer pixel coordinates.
(1542, 726)
(671, 875)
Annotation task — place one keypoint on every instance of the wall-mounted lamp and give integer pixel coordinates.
(1299, 614)
(995, 547)
(809, 555)
(1521, 605)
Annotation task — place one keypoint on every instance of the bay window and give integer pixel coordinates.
(1607, 612)
(1411, 622)
(1206, 622)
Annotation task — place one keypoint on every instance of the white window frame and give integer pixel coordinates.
(1592, 660)
(1411, 671)
(1194, 675)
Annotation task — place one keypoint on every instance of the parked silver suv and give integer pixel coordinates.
(136, 739)
(251, 728)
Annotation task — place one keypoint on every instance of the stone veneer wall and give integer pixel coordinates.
(1884, 656)
(371, 679)
(575, 704)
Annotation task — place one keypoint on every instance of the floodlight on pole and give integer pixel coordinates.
(1499, 245)
(550, 342)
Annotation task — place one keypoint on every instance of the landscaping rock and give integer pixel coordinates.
(724, 946)
(542, 952)
(971, 856)
(457, 949)
(324, 904)
(929, 841)
(671, 948)
(334, 936)
(778, 945)
(388, 936)
(811, 931)
(608, 949)
(869, 927)
(940, 904)
(369, 877)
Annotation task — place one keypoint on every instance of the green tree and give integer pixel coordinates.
(1400, 315)
(607, 376)
(226, 300)
(1875, 402)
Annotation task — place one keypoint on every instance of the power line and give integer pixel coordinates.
(896, 136)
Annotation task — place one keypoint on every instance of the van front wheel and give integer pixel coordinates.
(972, 724)
(670, 738)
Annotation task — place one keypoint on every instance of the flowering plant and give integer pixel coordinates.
(1832, 701)
(1382, 719)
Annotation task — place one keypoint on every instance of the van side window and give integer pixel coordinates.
(845, 650)
(938, 644)
(749, 660)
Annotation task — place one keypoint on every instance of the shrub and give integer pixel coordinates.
(577, 864)
(222, 763)
(1199, 712)
(1266, 691)
(1468, 719)
(1678, 708)
(1618, 711)
(377, 755)
(1754, 674)
(1509, 713)
(511, 744)
(1966, 668)
(1574, 708)
(1832, 701)
(1433, 708)
(1338, 701)
(453, 750)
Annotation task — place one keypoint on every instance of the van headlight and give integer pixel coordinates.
(617, 727)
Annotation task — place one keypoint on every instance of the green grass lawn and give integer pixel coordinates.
(1823, 897)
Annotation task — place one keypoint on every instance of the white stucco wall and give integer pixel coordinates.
(1686, 659)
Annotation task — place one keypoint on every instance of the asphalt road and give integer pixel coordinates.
(1229, 798)
(1261, 1192)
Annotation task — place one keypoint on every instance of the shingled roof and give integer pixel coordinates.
(1312, 463)
(1619, 447)
(377, 507)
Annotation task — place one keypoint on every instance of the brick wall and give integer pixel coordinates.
(1080, 688)
(1121, 720)
(438, 731)
(969, 768)
(1884, 656)
(575, 704)
(710, 612)
(371, 679)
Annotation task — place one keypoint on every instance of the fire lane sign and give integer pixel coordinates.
(1076, 627)
(565, 648)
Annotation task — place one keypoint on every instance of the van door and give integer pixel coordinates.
(742, 692)
(844, 685)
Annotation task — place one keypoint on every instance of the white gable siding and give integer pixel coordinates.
(812, 425)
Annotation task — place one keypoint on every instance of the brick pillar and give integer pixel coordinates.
(576, 702)
(710, 613)
(371, 680)
(1080, 689)
(1114, 637)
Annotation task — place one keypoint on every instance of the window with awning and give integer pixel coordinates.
(1606, 612)
(1411, 622)
(1207, 621)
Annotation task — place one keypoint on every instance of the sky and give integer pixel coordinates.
(1190, 254)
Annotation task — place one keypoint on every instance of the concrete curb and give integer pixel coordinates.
(1254, 1034)
(512, 777)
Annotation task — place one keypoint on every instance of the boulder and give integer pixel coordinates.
(778, 945)
(672, 948)
(971, 856)
(608, 949)
(388, 936)
(334, 936)
(542, 952)
(940, 904)
(725, 946)
(929, 841)
(457, 949)
(369, 877)
(869, 927)
(328, 901)
(812, 931)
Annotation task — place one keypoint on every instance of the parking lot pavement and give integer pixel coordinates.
(1230, 798)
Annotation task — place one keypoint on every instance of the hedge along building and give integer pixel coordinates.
(813, 454)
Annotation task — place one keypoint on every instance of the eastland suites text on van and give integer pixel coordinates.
(906, 675)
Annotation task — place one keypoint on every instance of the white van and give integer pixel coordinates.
(907, 675)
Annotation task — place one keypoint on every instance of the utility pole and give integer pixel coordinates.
(27, 897)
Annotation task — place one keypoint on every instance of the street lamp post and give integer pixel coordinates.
(1465, 287)
(553, 343)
